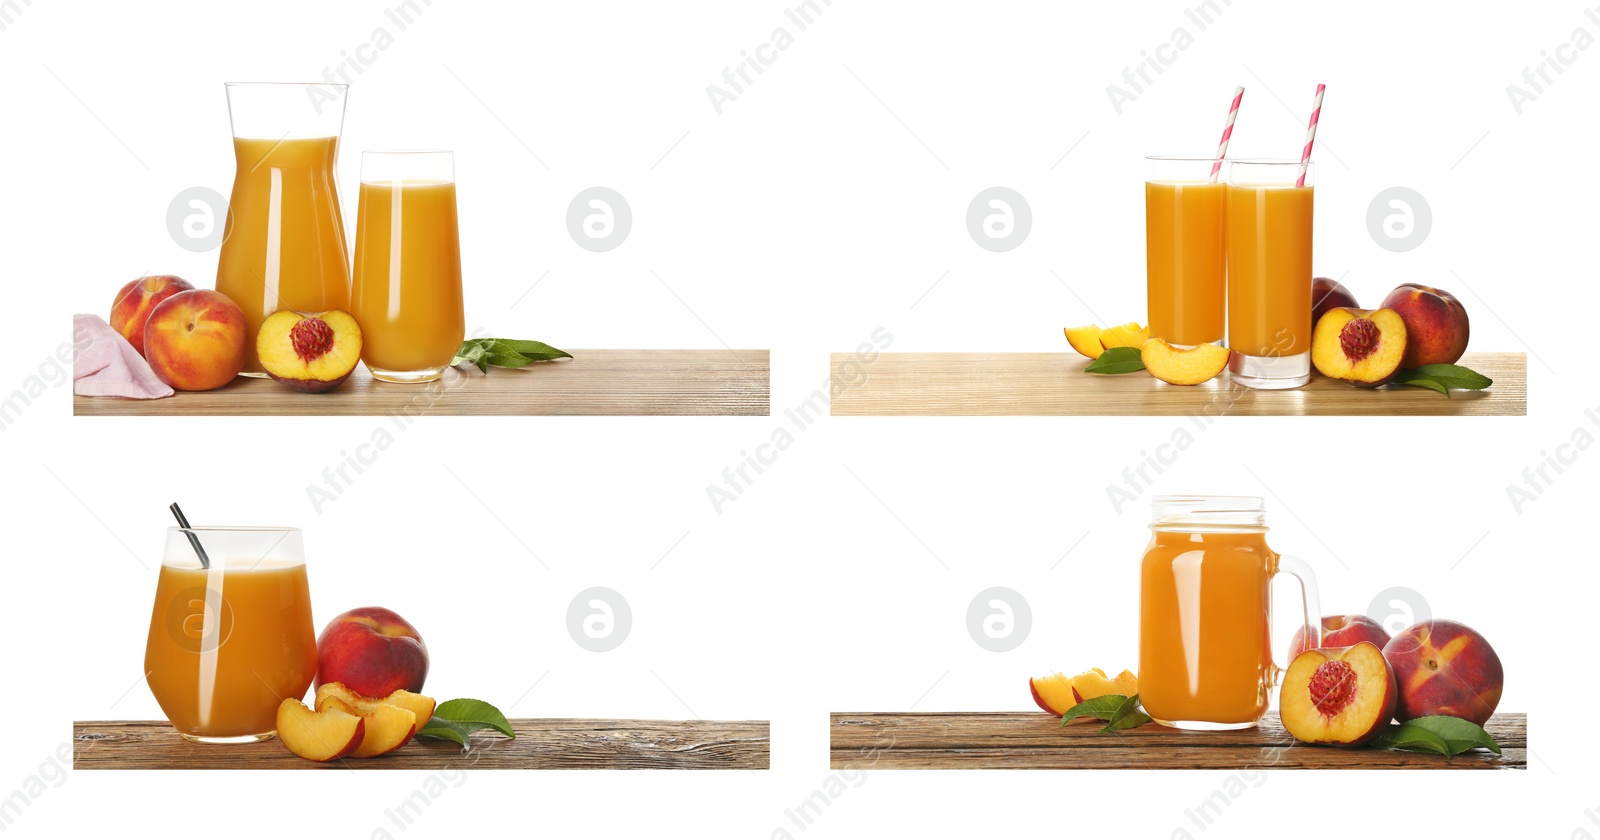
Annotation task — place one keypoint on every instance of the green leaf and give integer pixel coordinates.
(1423, 383)
(466, 710)
(1117, 360)
(1126, 722)
(457, 720)
(1405, 736)
(1456, 376)
(536, 351)
(471, 353)
(444, 732)
(507, 361)
(505, 353)
(1127, 716)
(1443, 378)
(1118, 711)
(1103, 708)
(1460, 734)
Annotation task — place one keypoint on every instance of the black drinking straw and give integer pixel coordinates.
(183, 522)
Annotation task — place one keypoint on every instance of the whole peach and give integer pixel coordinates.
(1342, 631)
(1326, 294)
(194, 340)
(1436, 324)
(1445, 668)
(373, 651)
(137, 299)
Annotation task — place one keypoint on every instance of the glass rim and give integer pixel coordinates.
(287, 84)
(365, 152)
(1215, 504)
(1271, 161)
(242, 529)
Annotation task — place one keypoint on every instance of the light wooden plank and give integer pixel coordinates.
(1034, 740)
(593, 382)
(541, 744)
(1054, 384)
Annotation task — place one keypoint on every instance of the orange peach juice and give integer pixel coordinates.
(1186, 264)
(407, 289)
(227, 645)
(1204, 623)
(1269, 269)
(284, 246)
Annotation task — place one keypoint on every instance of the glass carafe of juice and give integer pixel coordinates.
(284, 245)
(1205, 612)
(230, 636)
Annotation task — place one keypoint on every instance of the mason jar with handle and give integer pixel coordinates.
(1205, 612)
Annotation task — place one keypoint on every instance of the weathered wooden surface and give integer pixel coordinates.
(1054, 384)
(541, 744)
(604, 382)
(1035, 740)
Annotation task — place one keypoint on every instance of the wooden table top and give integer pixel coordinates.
(1054, 384)
(606, 382)
(541, 744)
(1035, 740)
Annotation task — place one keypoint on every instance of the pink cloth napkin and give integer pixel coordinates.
(106, 365)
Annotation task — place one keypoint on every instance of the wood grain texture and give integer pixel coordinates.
(1054, 384)
(1035, 740)
(593, 382)
(541, 744)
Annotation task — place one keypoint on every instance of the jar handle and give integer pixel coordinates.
(1310, 604)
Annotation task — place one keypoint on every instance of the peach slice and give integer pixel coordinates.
(1053, 693)
(339, 696)
(1180, 366)
(318, 736)
(1360, 346)
(1094, 683)
(1127, 335)
(388, 729)
(1340, 696)
(1085, 340)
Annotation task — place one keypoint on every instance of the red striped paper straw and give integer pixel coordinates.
(1227, 133)
(1311, 136)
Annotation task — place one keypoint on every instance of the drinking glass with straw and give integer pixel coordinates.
(1269, 234)
(1185, 260)
(230, 633)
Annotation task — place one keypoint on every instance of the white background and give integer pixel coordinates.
(818, 207)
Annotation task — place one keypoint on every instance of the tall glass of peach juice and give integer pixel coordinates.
(407, 289)
(1269, 273)
(230, 636)
(1205, 612)
(1185, 258)
(284, 244)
